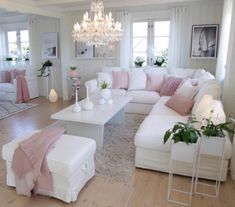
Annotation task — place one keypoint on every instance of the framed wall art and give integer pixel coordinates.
(204, 41)
(83, 51)
(50, 45)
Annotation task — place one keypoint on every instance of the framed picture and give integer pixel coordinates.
(204, 41)
(106, 51)
(50, 45)
(83, 51)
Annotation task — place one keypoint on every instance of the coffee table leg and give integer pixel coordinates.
(92, 131)
(119, 118)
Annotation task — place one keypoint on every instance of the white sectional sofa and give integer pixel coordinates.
(151, 153)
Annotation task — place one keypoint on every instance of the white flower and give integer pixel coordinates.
(139, 59)
(159, 59)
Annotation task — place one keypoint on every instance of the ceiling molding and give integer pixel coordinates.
(28, 9)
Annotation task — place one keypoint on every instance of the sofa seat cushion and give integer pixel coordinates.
(161, 109)
(144, 97)
(151, 132)
(7, 87)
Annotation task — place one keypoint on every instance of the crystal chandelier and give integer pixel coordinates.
(97, 28)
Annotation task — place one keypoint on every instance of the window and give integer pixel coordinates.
(18, 44)
(149, 40)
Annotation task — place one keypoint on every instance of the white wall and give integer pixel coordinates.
(39, 26)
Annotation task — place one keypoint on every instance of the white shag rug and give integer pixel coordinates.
(8, 108)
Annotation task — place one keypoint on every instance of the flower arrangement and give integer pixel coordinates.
(73, 68)
(139, 61)
(43, 70)
(104, 85)
(159, 61)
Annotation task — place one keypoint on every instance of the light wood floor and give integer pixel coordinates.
(145, 189)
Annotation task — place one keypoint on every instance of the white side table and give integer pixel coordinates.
(213, 147)
(32, 82)
(182, 153)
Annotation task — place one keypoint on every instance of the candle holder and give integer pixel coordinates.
(76, 107)
(87, 105)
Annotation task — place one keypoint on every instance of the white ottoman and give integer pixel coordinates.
(71, 163)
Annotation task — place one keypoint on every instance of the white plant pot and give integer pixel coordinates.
(105, 93)
(213, 146)
(182, 152)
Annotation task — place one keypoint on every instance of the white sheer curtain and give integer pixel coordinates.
(125, 41)
(2, 48)
(224, 40)
(33, 45)
(178, 30)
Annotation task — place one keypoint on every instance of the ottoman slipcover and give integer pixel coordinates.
(71, 163)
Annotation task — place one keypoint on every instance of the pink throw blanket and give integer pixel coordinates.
(22, 93)
(29, 162)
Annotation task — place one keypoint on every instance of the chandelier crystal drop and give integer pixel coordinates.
(97, 28)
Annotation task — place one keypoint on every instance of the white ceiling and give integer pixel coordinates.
(74, 5)
(57, 8)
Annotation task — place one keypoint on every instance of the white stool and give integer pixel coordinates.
(71, 163)
(213, 146)
(181, 152)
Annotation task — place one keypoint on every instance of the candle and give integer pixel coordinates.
(76, 96)
(87, 92)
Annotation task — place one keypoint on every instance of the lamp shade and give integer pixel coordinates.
(53, 97)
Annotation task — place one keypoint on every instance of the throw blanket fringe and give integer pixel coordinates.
(29, 162)
(22, 91)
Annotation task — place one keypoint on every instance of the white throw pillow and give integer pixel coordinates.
(199, 73)
(188, 88)
(211, 87)
(182, 72)
(107, 77)
(137, 80)
(204, 108)
(204, 78)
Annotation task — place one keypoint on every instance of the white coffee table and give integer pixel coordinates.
(91, 123)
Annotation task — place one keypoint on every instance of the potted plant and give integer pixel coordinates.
(45, 70)
(73, 72)
(184, 137)
(213, 136)
(105, 92)
(139, 61)
(159, 61)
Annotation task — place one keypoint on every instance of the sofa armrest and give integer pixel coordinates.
(93, 85)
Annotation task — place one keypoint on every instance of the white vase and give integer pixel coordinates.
(183, 152)
(105, 93)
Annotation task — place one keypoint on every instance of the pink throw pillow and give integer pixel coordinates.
(180, 104)
(16, 72)
(5, 76)
(170, 85)
(154, 81)
(120, 79)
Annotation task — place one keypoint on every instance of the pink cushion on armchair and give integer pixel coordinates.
(120, 79)
(5, 76)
